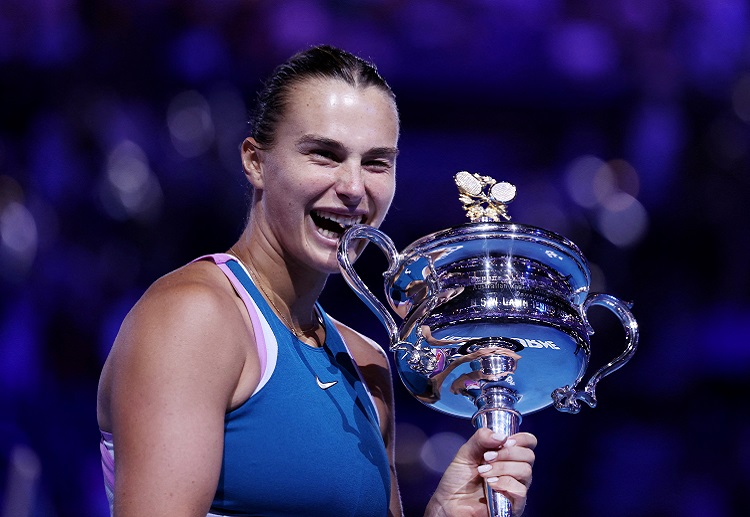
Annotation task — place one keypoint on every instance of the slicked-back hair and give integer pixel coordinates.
(323, 62)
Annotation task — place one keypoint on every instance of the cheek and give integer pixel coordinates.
(289, 182)
(385, 189)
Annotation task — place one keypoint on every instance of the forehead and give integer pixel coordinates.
(335, 109)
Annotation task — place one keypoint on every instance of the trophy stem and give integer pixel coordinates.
(496, 411)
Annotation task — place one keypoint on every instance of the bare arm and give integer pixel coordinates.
(172, 374)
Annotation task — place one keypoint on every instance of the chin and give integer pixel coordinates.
(328, 264)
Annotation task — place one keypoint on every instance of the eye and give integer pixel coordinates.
(323, 154)
(378, 165)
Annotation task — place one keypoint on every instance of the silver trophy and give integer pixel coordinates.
(494, 315)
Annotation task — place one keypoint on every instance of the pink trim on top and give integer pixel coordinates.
(107, 451)
(106, 448)
(264, 338)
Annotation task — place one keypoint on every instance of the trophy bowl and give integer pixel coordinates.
(493, 315)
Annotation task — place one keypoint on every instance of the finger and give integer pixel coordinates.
(492, 440)
(518, 470)
(496, 440)
(510, 452)
(482, 440)
(527, 440)
(516, 447)
(511, 488)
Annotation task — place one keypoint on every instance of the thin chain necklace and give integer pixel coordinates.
(297, 333)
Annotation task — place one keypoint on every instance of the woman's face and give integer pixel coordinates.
(332, 164)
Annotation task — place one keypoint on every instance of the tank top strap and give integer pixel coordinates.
(246, 289)
(265, 338)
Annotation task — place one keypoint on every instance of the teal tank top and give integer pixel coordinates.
(307, 443)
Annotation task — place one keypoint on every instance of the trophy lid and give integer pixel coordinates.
(489, 237)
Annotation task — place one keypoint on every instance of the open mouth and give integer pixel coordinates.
(333, 226)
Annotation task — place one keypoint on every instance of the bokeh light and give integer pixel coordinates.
(190, 124)
(22, 481)
(625, 126)
(622, 219)
(129, 189)
(439, 449)
(410, 439)
(580, 180)
(609, 190)
(18, 232)
(583, 50)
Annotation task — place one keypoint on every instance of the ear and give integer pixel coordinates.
(252, 162)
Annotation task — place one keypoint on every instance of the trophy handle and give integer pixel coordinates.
(567, 399)
(382, 241)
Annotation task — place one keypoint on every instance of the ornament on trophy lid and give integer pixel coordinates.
(484, 198)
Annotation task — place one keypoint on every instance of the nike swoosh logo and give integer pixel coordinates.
(325, 385)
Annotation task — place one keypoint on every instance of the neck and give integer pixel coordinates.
(292, 292)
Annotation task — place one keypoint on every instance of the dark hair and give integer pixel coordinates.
(323, 61)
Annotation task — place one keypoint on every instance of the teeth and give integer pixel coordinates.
(343, 220)
(328, 233)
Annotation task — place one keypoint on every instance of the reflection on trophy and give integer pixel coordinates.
(494, 315)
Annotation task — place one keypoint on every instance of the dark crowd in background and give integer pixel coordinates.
(625, 125)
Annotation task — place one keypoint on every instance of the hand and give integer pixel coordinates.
(506, 463)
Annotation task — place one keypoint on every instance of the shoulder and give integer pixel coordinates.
(364, 350)
(187, 328)
(371, 360)
(193, 306)
(194, 300)
(195, 283)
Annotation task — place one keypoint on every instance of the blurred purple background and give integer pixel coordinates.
(624, 123)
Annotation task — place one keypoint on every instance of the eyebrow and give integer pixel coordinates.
(330, 143)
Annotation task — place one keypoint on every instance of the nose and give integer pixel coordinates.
(350, 185)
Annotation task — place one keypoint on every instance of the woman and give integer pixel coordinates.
(228, 390)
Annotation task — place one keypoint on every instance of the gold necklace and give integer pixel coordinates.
(297, 334)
